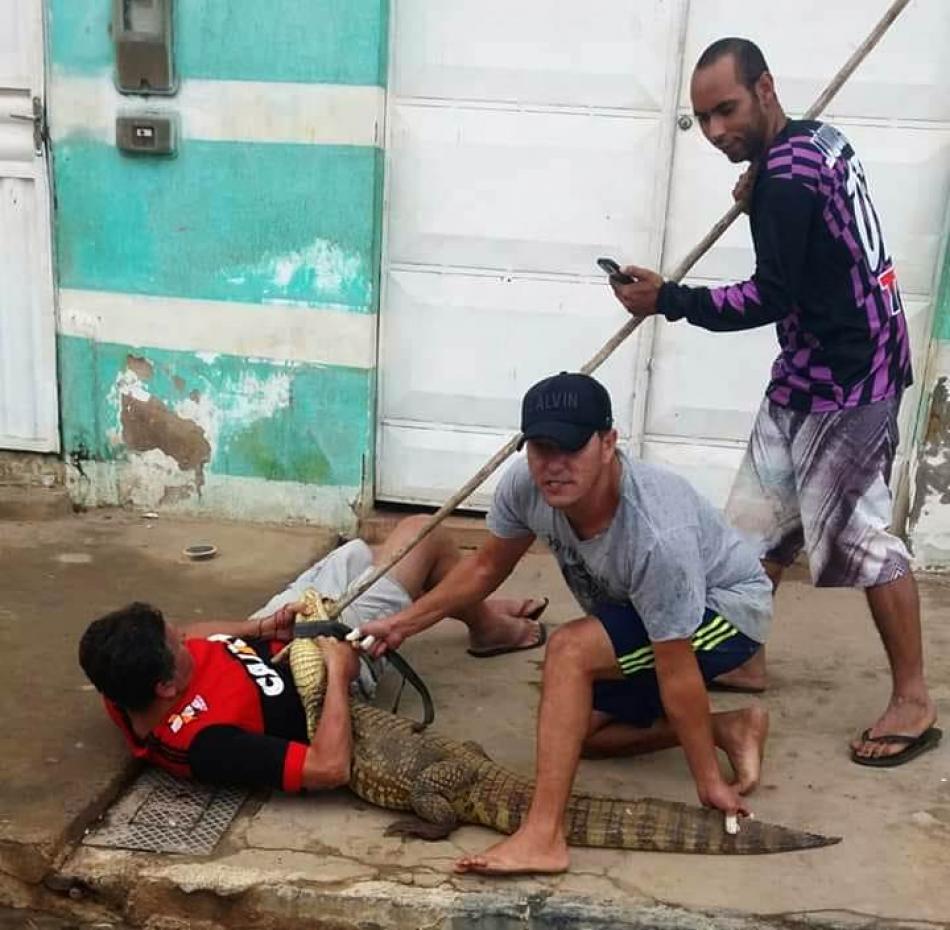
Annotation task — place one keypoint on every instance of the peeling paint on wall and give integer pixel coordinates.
(148, 425)
(153, 479)
(140, 366)
(188, 429)
(928, 523)
(176, 419)
(303, 276)
(932, 484)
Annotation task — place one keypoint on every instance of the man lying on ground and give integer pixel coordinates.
(673, 598)
(206, 700)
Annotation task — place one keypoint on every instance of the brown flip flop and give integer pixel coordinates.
(503, 650)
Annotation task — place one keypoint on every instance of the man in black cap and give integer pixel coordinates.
(673, 597)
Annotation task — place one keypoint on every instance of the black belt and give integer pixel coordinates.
(310, 629)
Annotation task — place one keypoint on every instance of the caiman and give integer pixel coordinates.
(445, 783)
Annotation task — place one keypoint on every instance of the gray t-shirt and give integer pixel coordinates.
(667, 551)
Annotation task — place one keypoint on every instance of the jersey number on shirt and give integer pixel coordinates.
(869, 229)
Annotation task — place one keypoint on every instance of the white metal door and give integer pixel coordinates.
(28, 396)
(705, 387)
(524, 140)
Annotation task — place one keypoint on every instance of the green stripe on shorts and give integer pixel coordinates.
(705, 639)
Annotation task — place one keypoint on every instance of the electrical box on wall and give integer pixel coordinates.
(142, 33)
(146, 133)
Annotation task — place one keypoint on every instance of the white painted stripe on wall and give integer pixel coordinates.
(297, 334)
(236, 111)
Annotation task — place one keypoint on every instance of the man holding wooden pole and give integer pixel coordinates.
(673, 597)
(818, 463)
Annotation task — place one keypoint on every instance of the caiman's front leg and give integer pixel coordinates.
(433, 795)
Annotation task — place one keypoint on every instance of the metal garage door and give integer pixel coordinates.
(525, 139)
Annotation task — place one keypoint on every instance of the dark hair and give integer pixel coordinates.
(124, 654)
(750, 62)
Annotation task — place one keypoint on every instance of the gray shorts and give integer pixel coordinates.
(336, 574)
(819, 481)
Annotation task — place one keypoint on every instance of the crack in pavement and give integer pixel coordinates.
(620, 885)
(400, 874)
(875, 919)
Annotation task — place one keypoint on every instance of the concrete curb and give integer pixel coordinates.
(32, 859)
(145, 891)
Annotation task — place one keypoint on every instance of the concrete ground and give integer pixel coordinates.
(323, 860)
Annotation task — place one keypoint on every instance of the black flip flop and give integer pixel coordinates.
(913, 747)
(504, 650)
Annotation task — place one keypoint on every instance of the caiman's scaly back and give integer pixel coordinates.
(446, 783)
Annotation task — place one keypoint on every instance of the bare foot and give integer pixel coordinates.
(741, 734)
(507, 623)
(903, 717)
(520, 854)
(751, 676)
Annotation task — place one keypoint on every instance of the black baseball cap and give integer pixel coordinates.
(566, 409)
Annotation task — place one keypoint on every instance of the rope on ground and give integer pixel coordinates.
(621, 335)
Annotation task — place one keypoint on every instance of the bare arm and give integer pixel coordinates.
(686, 703)
(471, 581)
(228, 754)
(327, 763)
(277, 626)
(773, 292)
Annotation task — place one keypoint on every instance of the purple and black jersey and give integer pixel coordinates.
(823, 275)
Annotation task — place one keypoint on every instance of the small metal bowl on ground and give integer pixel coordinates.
(200, 553)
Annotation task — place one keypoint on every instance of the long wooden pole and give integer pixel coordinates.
(621, 335)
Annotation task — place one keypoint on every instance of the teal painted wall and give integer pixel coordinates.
(311, 425)
(222, 221)
(265, 224)
(318, 41)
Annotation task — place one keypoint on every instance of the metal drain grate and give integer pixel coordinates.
(161, 813)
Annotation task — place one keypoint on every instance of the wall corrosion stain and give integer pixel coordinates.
(149, 424)
(141, 366)
(933, 461)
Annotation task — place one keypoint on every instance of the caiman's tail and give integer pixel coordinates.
(499, 799)
(668, 826)
(649, 824)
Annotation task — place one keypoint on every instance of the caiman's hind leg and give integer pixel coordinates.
(432, 795)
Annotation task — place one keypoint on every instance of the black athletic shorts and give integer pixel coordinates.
(635, 699)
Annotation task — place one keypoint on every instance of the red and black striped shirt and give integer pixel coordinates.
(239, 721)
